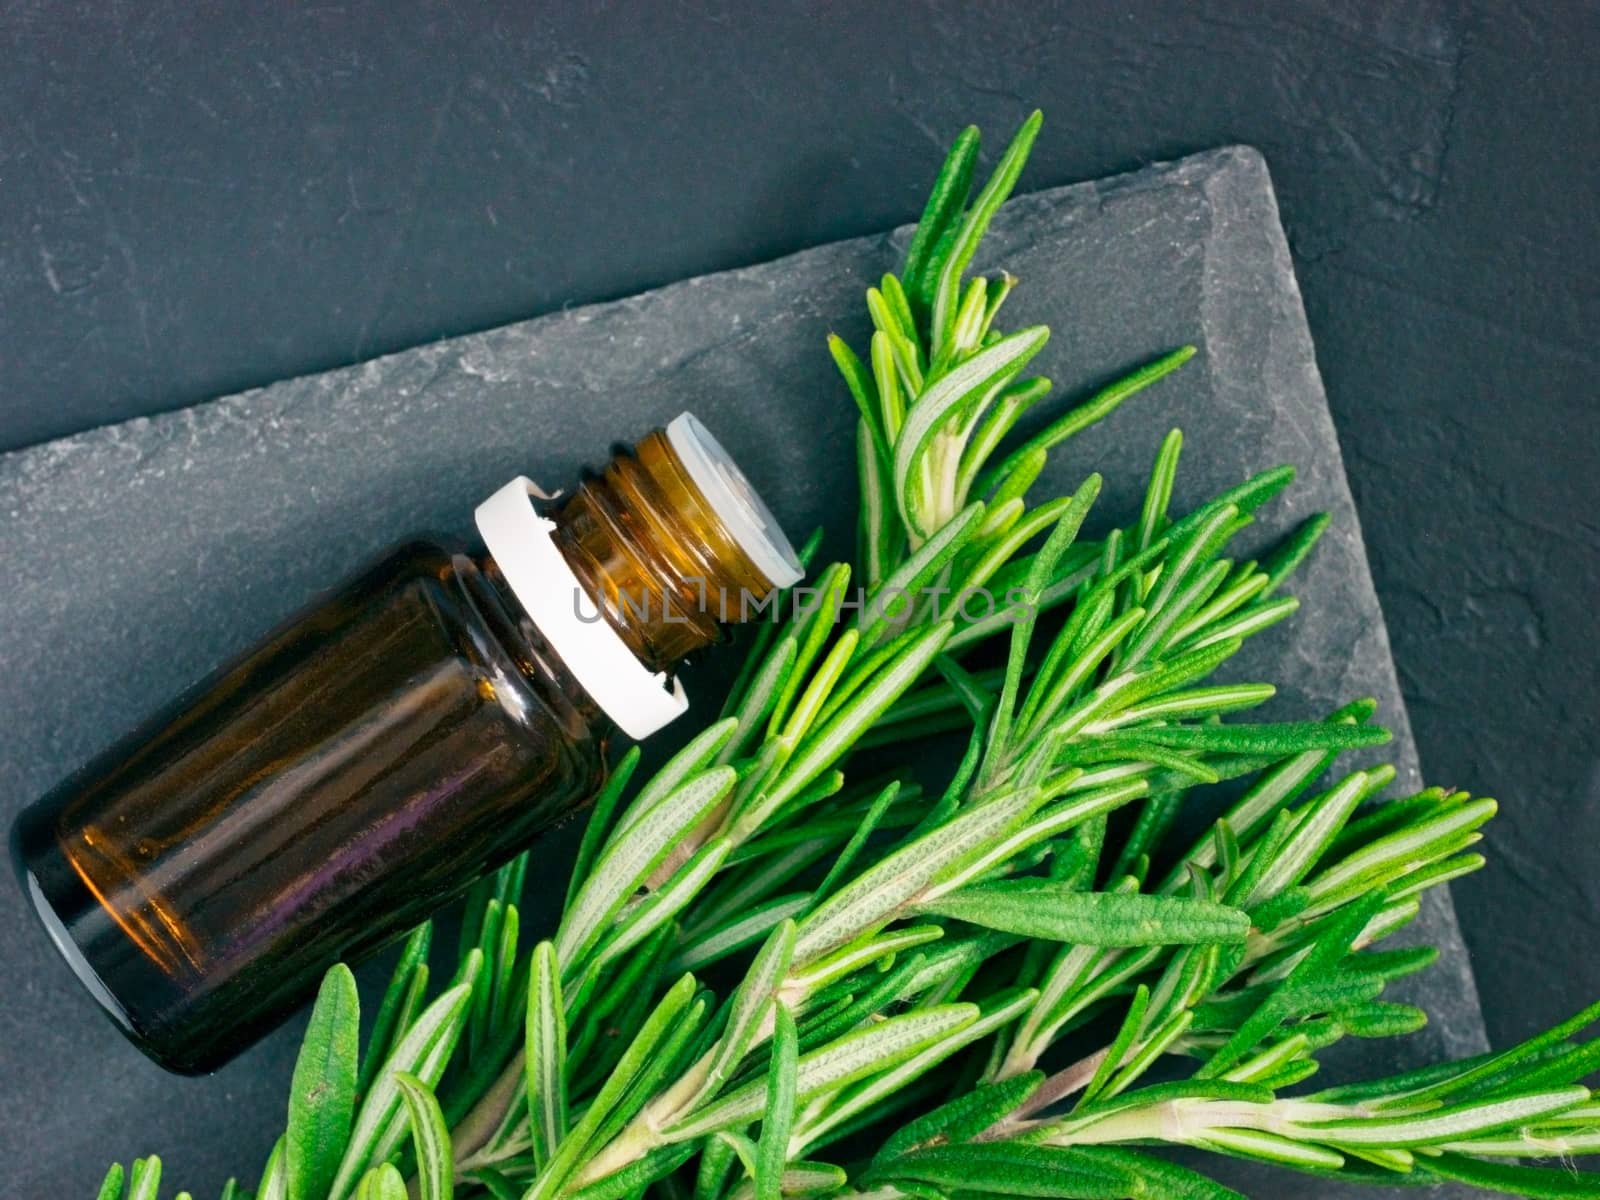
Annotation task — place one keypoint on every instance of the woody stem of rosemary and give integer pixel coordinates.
(1053, 1090)
(483, 1118)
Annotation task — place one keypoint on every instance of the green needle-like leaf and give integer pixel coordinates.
(945, 203)
(1283, 739)
(1445, 1124)
(953, 264)
(1007, 1169)
(1536, 1182)
(634, 1061)
(954, 398)
(828, 744)
(322, 1093)
(1099, 406)
(599, 826)
(430, 1137)
(273, 1185)
(422, 1052)
(546, 1054)
(1117, 1052)
(751, 1004)
(634, 1179)
(862, 390)
(703, 749)
(772, 1151)
(145, 1180)
(624, 866)
(111, 1186)
(877, 533)
(897, 881)
(855, 1056)
(1269, 1147)
(383, 1182)
(1042, 909)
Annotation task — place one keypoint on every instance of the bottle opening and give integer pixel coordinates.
(738, 506)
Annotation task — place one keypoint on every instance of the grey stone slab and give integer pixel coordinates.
(140, 556)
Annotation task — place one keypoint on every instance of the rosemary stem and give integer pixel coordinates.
(627, 1147)
(1054, 1089)
(486, 1116)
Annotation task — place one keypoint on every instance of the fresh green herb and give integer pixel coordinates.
(877, 952)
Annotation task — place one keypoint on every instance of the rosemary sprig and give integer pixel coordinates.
(875, 949)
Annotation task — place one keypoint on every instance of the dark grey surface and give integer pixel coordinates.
(145, 553)
(203, 198)
(197, 198)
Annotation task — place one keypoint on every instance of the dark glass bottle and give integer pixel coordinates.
(389, 745)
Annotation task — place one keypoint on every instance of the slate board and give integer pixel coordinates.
(141, 555)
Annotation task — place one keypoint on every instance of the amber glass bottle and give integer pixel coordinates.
(389, 745)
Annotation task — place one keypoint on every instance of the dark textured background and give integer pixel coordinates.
(195, 200)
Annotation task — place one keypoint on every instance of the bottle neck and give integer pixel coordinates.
(656, 560)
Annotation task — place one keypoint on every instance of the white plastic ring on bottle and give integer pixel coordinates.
(639, 700)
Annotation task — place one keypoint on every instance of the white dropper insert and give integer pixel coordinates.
(747, 519)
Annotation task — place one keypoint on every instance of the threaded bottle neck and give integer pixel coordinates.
(660, 559)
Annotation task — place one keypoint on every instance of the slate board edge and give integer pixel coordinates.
(1438, 905)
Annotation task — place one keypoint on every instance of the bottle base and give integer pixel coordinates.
(45, 911)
